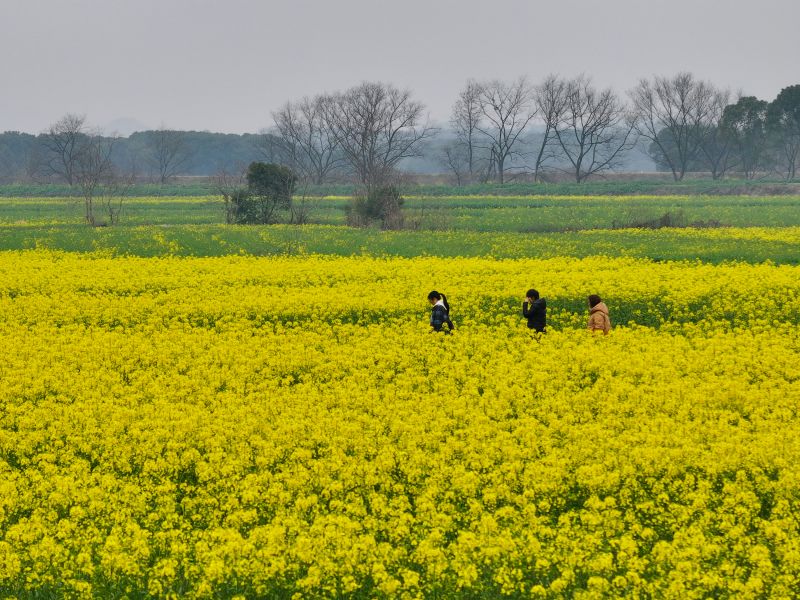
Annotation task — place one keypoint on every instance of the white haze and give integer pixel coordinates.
(225, 65)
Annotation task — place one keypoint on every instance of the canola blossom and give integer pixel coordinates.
(288, 427)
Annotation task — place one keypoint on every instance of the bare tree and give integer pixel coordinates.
(110, 196)
(673, 113)
(467, 115)
(300, 211)
(593, 130)
(273, 149)
(230, 183)
(64, 143)
(168, 152)
(508, 109)
(102, 187)
(716, 143)
(550, 97)
(308, 139)
(376, 126)
(455, 157)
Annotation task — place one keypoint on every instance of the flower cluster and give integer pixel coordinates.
(288, 427)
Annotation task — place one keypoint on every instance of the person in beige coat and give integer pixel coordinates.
(598, 315)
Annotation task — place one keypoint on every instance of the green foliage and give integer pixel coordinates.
(619, 187)
(62, 190)
(240, 207)
(527, 214)
(709, 245)
(380, 205)
(784, 111)
(274, 182)
(746, 123)
(268, 194)
(783, 125)
(498, 226)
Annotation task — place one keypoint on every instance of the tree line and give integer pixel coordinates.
(497, 130)
(560, 125)
(156, 155)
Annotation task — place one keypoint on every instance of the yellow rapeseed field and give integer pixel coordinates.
(288, 427)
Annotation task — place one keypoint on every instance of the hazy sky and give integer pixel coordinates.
(225, 65)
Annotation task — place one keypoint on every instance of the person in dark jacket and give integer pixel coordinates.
(535, 310)
(440, 313)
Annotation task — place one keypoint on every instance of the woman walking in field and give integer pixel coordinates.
(440, 313)
(598, 315)
(535, 310)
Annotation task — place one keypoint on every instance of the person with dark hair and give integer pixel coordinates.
(598, 315)
(534, 309)
(440, 313)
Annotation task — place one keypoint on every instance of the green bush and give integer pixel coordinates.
(266, 198)
(273, 182)
(381, 205)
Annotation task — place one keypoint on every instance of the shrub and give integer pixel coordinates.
(268, 194)
(271, 181)
(381, 205)
(239, 207)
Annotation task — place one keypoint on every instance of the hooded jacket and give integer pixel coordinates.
(599, 319)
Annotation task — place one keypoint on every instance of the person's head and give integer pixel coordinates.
(594, 300)
(435, 296)
(532, 294)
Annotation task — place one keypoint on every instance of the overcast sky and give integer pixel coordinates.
(224, 65)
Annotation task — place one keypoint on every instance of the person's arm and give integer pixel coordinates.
(525, 309)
